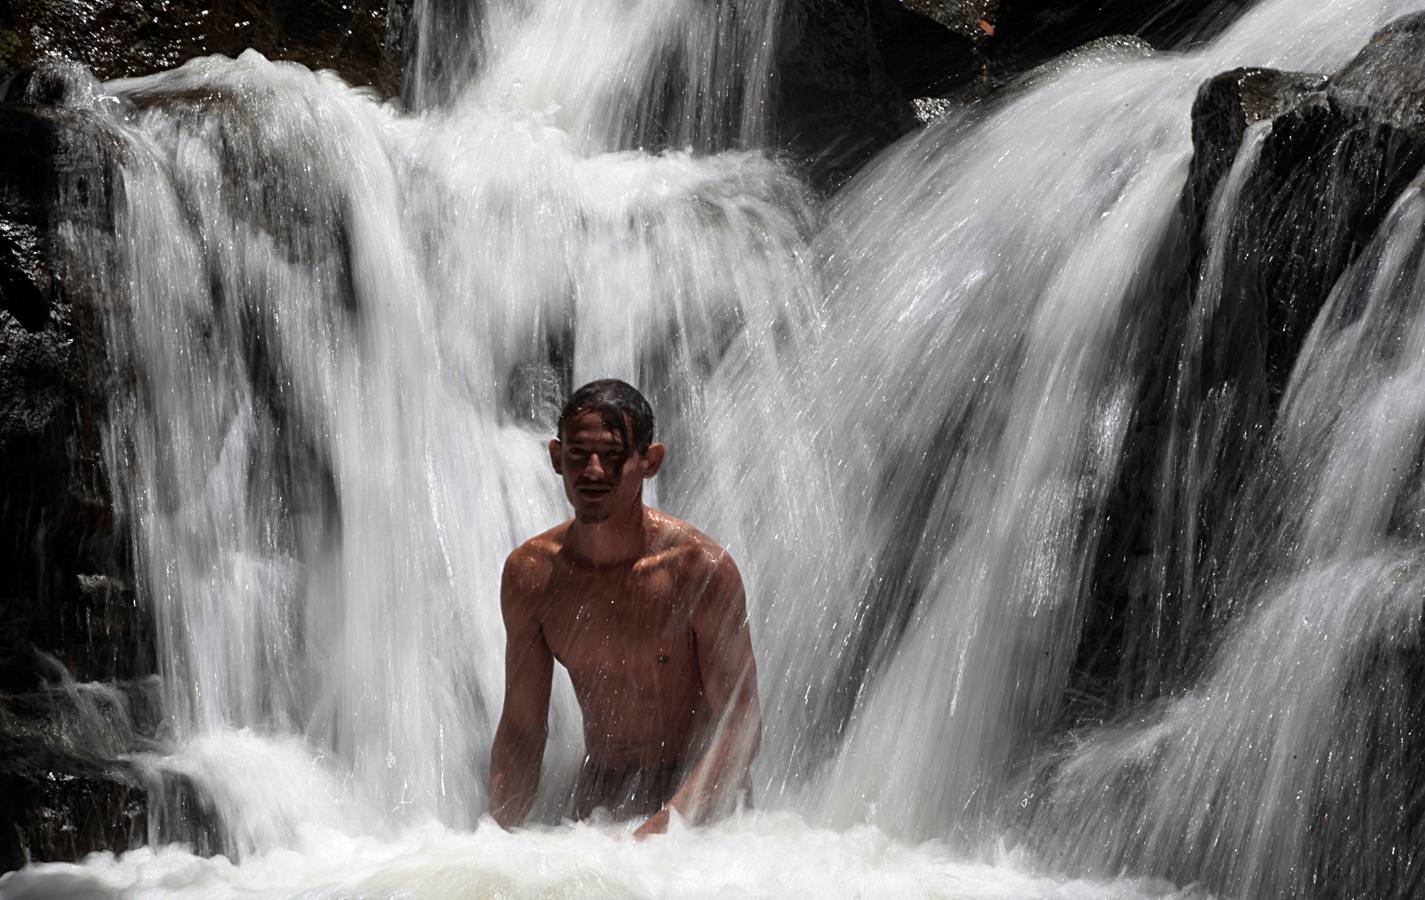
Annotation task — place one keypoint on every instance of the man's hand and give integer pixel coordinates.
(656, 824)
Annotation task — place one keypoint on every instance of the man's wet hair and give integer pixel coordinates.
(623, 409)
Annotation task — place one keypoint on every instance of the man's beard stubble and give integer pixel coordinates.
(591, 517)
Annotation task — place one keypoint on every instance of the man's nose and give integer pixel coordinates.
(595, 466)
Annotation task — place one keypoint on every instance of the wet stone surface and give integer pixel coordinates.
(76, 654)
(68, 782)
(120, 38)
(1340, 152)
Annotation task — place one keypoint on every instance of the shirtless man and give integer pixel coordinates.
(648, 616)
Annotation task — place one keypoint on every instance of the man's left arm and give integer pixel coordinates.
(729, 673)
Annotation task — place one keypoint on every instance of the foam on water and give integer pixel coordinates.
(754, 855)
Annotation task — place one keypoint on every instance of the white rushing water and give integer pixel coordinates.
(1302, 725)
(342, 333)
(994, 402)
(766, 856)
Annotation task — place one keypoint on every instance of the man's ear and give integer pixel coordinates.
(653, 459)
(554, 448)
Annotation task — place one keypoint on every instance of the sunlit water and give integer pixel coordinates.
(770, 855)
(341, 333)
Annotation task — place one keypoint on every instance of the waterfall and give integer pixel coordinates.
(341, 331)
(1303, 726)
(618, 74)
(1009, 305)
(348, 331)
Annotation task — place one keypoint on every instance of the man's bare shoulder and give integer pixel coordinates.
(529, 566)
(695, 552)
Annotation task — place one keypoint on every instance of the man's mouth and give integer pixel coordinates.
(593, 491)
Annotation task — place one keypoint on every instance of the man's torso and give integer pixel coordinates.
(625, 634)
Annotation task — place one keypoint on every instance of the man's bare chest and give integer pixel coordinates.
(604, 623)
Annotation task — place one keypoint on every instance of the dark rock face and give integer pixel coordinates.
(65, 793)
(1339, 153)
(63, 562)
(1144, 648)
(847, 73)
(850, 70)
(61, 807)
(1028, 32)
(66, 607)
(118, 38)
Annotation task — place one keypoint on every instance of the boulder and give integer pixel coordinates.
(855, 75)
(64, 569)
(68, 782)
(119, 38)
(67, 610)
(848, 72)
(57, 805)
(1029, 32)
(1340, 152)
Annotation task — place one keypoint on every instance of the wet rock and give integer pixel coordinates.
(536, 390)
(1225, 107)
(848, 72)
(119, 38)
(1339, 154)
(1340, 151)
(855, 75)
(1029, 32)
(62, 558)
(58, 805)
(70, 782)
(1388, 77)
(77, 695)
(972, 18)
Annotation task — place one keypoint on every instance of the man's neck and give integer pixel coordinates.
(622, 537)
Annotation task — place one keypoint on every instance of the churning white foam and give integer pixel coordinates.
(756, 854)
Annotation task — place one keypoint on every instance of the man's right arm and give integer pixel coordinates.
(518, 750)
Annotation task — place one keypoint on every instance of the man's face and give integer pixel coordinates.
(602, 474)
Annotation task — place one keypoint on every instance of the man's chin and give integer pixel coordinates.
(591, 516)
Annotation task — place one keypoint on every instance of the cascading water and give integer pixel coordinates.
(1007, 289)
(382, 314)
(1303, 727)
(663, 73)
(341, 334)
